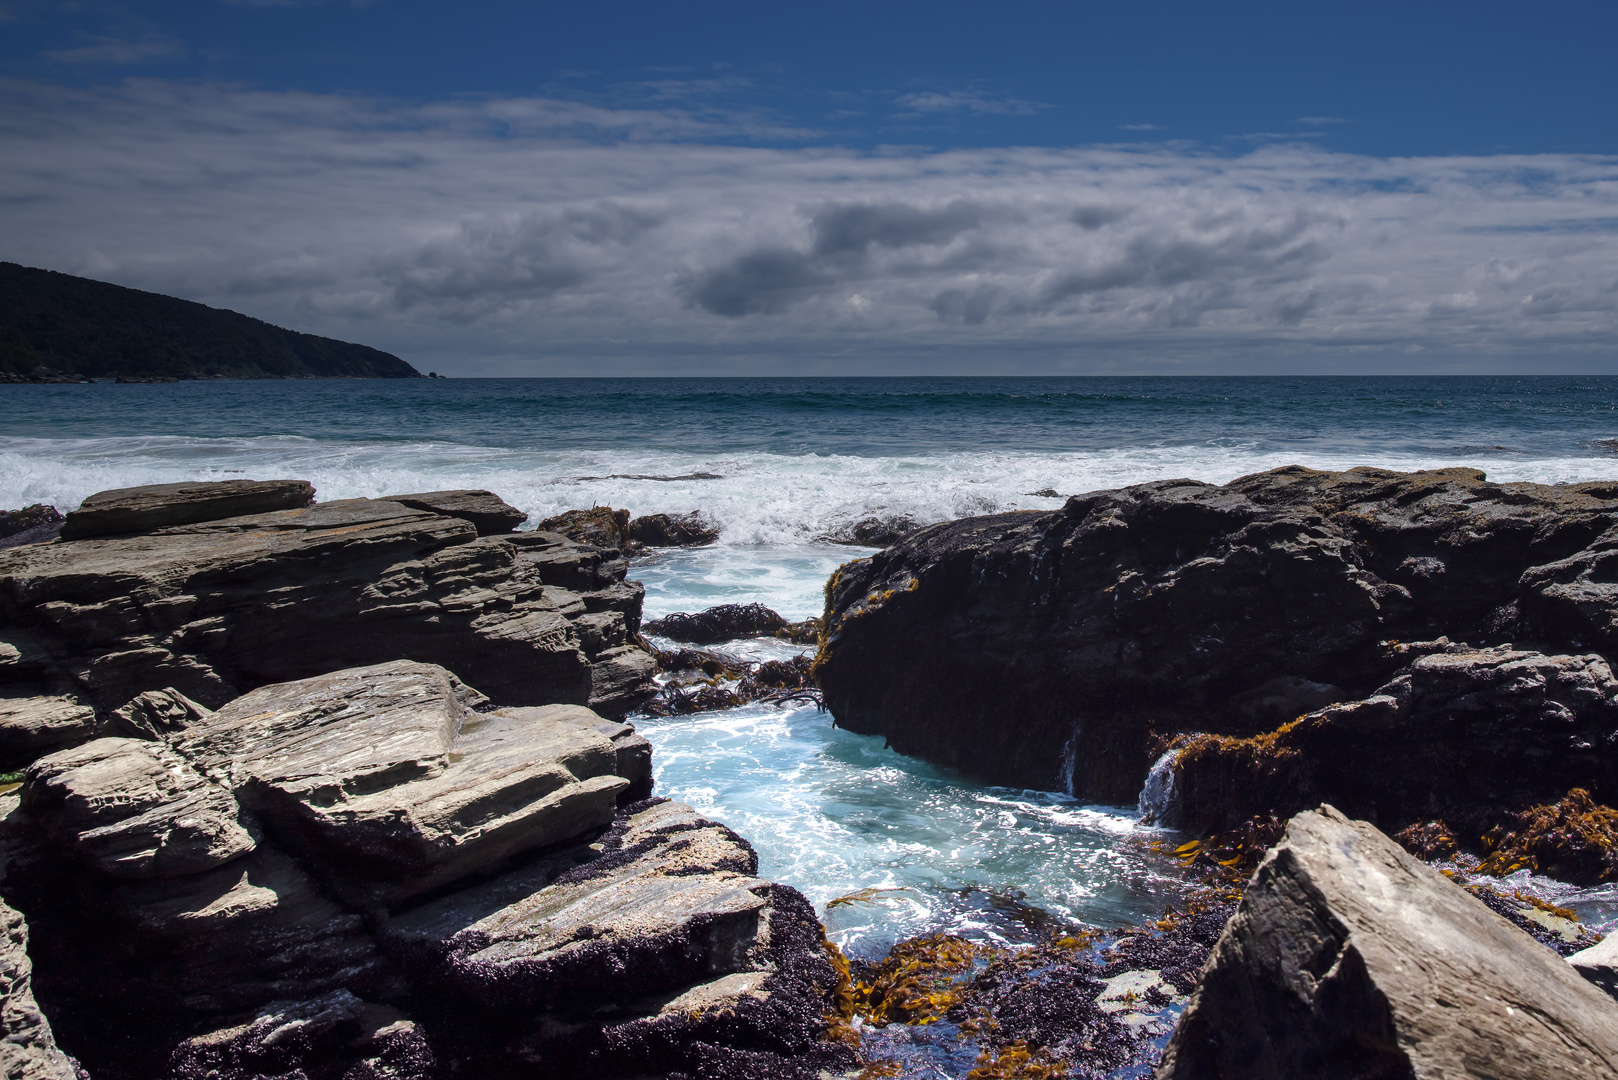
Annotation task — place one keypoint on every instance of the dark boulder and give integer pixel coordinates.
(1461, 735)
(1348, 958)
(144, 509)
(673, 530)
(726, 622)
(488, 512)
(600, 526)
(30, 525)
(1063, 649)
(874, 531)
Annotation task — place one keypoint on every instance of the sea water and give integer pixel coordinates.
(886, 846)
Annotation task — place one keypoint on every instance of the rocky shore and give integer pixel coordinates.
(337, 790)
(344, 790)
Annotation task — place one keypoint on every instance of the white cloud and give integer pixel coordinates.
(456, 230)
(932, 101)
(119, 52)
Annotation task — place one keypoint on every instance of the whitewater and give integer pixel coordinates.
(885, 846)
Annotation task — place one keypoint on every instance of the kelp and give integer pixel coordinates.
(1575, 839)
(918, 981)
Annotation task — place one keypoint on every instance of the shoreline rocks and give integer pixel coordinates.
(1348, 957)
(1063, 650)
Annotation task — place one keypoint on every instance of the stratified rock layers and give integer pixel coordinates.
(1349, 959)
(215, 608)
(1062, 650)
(379, 872)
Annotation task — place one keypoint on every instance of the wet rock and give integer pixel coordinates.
(157, 506)
(488, 512)
(600, 526)
(215, 608)
(726, 622)
(673, 530)
(385, 777)
(30, 525)
(1463, 735)
(1347, 957)
(28, 1048)
(130, 808)
(348, 1038)
(1134, 615)
(874, 531)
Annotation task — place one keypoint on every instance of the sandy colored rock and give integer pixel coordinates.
(132, 808)
(1599, 964)
(387, 779)
(671, 901)
(33, 723)
(488, 512)
(1349, 958)
(157, 506)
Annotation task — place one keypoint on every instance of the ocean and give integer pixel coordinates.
(783, 464)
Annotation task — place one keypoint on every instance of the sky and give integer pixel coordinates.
(837, 188)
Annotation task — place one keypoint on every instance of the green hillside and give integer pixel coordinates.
(97, 330)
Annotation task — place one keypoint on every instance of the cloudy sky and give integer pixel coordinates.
(839, 188)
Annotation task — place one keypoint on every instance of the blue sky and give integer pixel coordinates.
(717, 187)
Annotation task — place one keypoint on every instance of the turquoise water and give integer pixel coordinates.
(790, 461)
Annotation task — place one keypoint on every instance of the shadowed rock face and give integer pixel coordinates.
(214, 608)
(377, 872)
(1056, 650)
(1349, 958)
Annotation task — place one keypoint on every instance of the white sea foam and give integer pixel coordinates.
(761, 498)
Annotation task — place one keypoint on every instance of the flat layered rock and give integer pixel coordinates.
(488, 512)
(671, 900)
(1349, 958)
(157, 506)
(130, 808)
(387, 778)
(353, 1038)
(31, 724)
(214, 608)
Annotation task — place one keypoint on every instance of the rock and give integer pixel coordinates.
(33, 723)
(1348, 957)
(1132, 616)
(874, 531)
(215, 608)
(157, 714)
(28, 1049)
(143, 509)
(353, 1039)
(384, 776)
(671, 901)
(30, 525)
(130, 808)
(600, 526)
(1599, 964)
(726, 622)
(488, 512)
(1464, 736)
(673, 530)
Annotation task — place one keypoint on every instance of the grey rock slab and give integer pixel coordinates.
(387, 779)
(33, 723)
(155, 714)
(670, 900)
(621, 679)
(130, 808)
(28, 1048)
(488, 512)
(1348, 958)
(142, 509)
(1599, 964)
